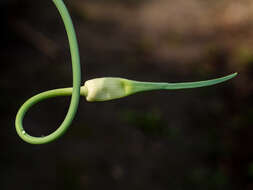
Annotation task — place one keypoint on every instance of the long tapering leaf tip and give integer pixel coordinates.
(185, 85)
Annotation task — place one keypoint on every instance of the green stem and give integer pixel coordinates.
(59, 92)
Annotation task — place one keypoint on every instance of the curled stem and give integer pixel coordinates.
(75, 92)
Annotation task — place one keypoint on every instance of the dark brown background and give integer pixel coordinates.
(180, 140)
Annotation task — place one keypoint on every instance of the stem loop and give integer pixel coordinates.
(58, 92)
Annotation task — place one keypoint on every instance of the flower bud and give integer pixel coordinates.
(103, 89)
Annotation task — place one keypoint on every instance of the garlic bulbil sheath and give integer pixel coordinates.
(110, 88)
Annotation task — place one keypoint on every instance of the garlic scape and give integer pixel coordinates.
(100, 89)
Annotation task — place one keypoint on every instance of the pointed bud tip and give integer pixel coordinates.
(233, 75)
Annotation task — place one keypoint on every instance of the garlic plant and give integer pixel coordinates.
(99, 89)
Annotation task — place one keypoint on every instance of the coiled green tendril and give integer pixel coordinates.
(100, 89)
(58, 92)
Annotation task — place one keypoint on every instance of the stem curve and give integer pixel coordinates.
(74, 50)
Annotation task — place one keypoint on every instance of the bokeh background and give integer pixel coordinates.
(189, 139)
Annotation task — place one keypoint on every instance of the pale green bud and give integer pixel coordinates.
(103, 89)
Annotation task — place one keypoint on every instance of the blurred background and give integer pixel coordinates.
(181, 140)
